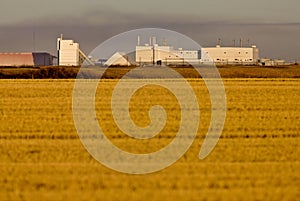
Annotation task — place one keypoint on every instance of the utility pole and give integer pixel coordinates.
(33, 41)
(153, 55)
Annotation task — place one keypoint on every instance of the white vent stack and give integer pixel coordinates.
(138, 41)
(154, 40)
(164, 42)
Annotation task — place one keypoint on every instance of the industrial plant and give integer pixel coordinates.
(69, 54)
(164, 54)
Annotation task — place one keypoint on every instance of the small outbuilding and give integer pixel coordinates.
(119, 59)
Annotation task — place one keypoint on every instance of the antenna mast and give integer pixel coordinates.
(33, 41)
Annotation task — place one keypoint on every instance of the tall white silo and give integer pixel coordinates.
(68, 52)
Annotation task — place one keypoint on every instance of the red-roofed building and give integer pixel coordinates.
(26, 59)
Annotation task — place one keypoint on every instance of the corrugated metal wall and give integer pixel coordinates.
(26, 59)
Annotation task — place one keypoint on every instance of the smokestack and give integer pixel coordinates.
(154, 40)
(219, 41)
(241, 42)
(138, 40)
(164, 42)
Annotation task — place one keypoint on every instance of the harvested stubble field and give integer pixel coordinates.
(256, 158)
(227, 71)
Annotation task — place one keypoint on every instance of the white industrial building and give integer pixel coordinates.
(155, 53)
(230, 55)
(163, 54)
(189, 56)
(69, 53)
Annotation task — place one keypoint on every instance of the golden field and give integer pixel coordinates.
(256, 158)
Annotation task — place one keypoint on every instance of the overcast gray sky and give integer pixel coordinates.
(273, 25)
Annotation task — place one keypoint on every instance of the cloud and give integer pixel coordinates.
(277, 40)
